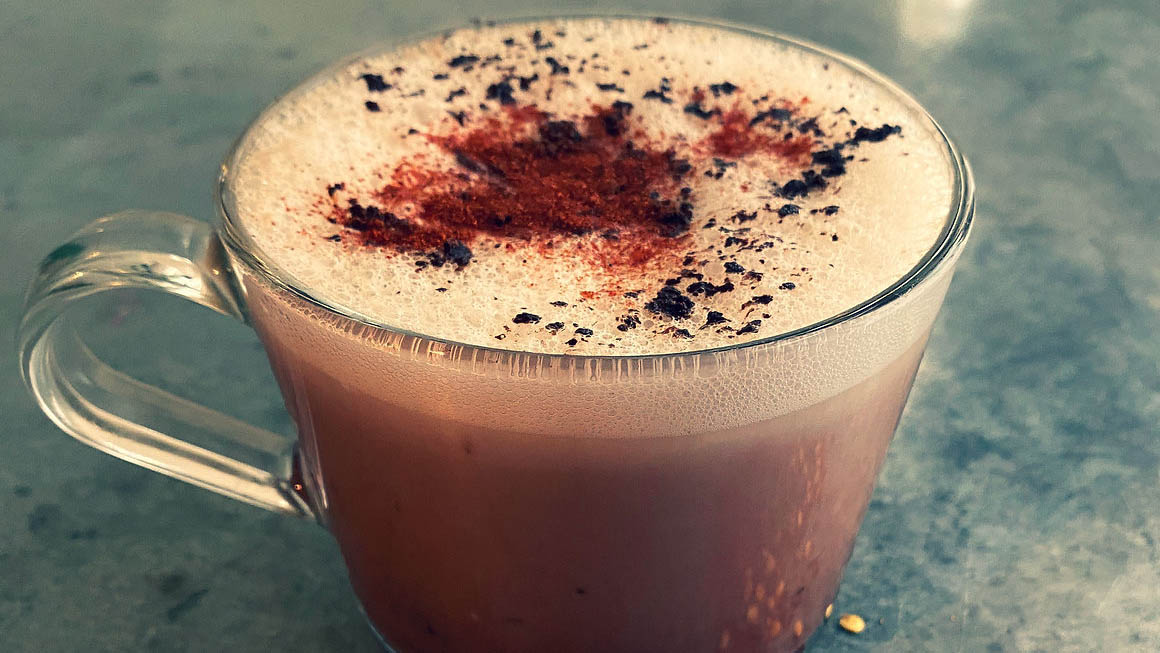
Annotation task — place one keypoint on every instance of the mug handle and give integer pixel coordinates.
(120, 415)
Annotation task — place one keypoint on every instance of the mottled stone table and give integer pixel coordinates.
(1019, 508)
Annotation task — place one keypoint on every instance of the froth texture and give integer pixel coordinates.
(791, 189)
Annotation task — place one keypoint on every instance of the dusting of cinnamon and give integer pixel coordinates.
(527, 177)
(739, 135)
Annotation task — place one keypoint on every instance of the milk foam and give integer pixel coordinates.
(892, 200)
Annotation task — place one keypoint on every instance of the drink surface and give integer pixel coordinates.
(594, 186)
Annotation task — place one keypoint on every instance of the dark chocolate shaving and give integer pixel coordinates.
(375, 83)
(696, 109)
(750, 327)
(502, 91)
(708, 289)
(724, 88)
(876, 135)
(669, 301)
(463, 60)
(628, 322)
(715, 317)
(557, 67)
(457, 252)
(777, 115)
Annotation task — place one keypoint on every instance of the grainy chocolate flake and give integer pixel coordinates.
(696, 109)
(463, 60)
(526, 318)
(557, 67)
(876, 135)
(715, 317)
(628, 322)
(751, 326)
(502, 91)
(457, 252)
(671, 302)
(724, 88)
(375, 83)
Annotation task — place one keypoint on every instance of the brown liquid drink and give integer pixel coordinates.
(571, 435)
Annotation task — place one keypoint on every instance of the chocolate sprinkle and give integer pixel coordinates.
(375, 83)
(707, 289)
(696, 109)
(628, 322)
(457, 252)
(669, 301)
(715, 317)
(501, 91)
(876, 135)
(463, 60)
(724, 88)
(557, 67)
(750, 327)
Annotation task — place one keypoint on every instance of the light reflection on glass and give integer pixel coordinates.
(928, 23)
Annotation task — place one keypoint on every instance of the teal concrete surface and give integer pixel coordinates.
(1019, 508)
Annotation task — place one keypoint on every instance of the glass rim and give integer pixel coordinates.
(947, 245)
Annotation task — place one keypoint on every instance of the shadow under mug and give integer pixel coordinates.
(477, 495)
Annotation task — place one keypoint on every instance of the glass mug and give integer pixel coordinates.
(476, 496)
